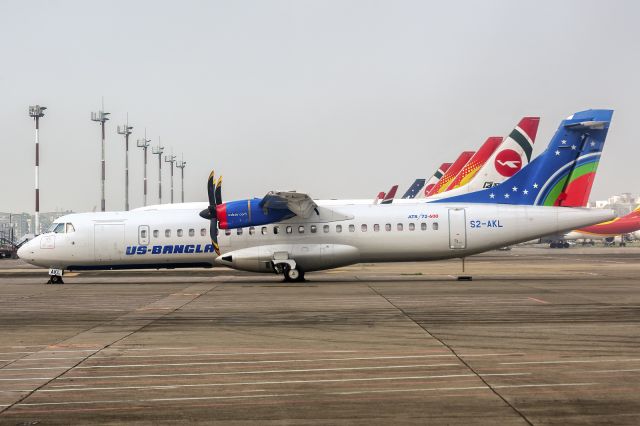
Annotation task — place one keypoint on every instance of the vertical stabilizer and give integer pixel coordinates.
(562, 175)
(451, 173)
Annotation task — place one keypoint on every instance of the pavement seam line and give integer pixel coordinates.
(8, 407)
(443, 343)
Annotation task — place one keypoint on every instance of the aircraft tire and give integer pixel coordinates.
(292, 274)
(552, 245)
(565, 245)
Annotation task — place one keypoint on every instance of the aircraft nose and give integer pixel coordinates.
(26, 251)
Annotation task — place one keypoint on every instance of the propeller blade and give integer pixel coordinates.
(211, 188)
(213, 233)
(218, 191)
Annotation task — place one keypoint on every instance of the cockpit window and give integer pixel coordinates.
(70, 228)
(59, 229)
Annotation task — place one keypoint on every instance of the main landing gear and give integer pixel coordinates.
(293, 274)
(288, 268)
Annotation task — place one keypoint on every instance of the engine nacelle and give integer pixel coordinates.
(243, 213)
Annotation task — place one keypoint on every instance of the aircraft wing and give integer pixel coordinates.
(298, 203)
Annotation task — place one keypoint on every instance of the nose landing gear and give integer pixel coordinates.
(55, 276)
(54, 279)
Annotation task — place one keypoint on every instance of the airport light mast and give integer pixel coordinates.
(171, 159)
(126, 131)
(181, 165)
(158, 151)
(144, 144)
(37, 112)
(101, 117)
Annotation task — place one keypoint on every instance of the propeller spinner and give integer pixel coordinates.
(214, 192)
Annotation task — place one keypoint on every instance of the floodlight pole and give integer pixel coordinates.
(101, 117)
(171, 159)
(158, 151)
(37, 112)
(144, 144)
(126, 131)
(181, 165)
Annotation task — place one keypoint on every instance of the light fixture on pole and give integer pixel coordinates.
(158, 151)
(181, 165)
(37, 112)
(144, 144)
(171, 159)
(126, 131)
(101, 117)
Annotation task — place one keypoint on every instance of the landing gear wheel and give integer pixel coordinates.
(552, 245)
(293, 274)
(54, 279)
(566, 245)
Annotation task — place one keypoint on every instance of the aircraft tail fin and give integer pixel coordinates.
(434, 179)
(562, 175)
(414, 189)
(475, 163)
(388, 198)
(451, 173)
(379, 197)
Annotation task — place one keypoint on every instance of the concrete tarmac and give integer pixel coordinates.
(540, 336)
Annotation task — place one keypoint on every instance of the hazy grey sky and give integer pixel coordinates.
(333, 98)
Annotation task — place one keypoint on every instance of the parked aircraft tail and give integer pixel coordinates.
(451, 173)
(388, 198)
(434, 179)
(562, 175)
(414, 189)
(379, 197)
(475, 163)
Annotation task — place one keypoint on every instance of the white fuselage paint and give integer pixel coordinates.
(429, 231)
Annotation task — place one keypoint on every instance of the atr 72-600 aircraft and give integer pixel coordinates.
(289, 233)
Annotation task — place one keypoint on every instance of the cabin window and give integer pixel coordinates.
(434, 226)
(400, 227)
(239, 231)
(70, 228)
(203, 232)
(338, 228)
(59, 229)
(423, 226)
(301, 229)
(143, 233)
(167, 233)
(192, 232)
(376, 228)
(179, 232)
(313, 229)
(156, 233)
(252, 230)
(276, 229)
(227, 232)
(264, 230)
(325, 229)
(289, 229)
(352, 228)
(387, 227)
(412, 227)
(363, 227)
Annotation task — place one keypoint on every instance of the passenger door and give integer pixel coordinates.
(457, 229)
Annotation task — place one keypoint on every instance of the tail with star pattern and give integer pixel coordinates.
(562, 175)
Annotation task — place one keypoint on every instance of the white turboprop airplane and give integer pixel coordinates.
(289, 233)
